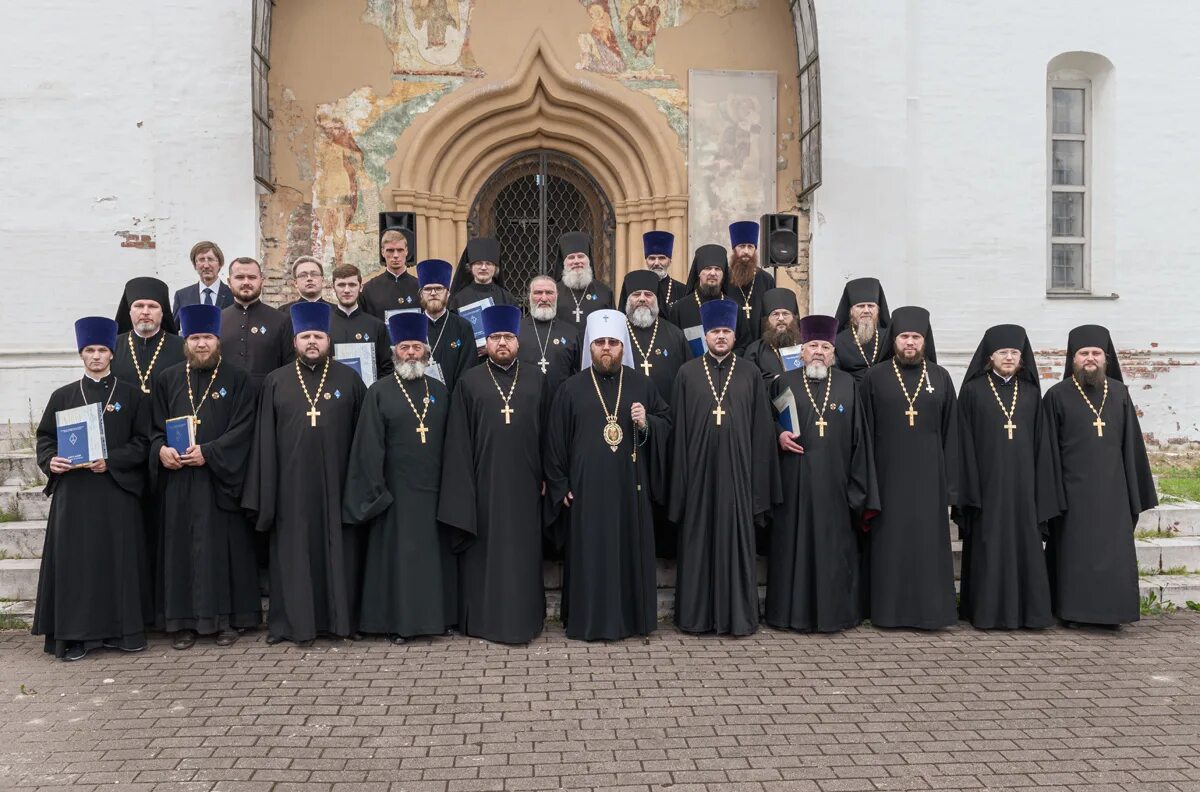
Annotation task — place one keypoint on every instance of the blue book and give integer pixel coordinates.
(695, 339)
(785, 408)
(791, 358)
(354, 363)
(473, 313)
(181, 433)
(81, 439)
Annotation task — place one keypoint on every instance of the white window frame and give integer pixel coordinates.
(1085, 189)
(260, 65)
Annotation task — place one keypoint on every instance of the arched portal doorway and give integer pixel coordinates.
(529, 202)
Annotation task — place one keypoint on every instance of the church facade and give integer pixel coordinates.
(1020, 162)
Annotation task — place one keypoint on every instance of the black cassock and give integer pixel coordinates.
(208, 578)
(452, 345)
(667, 354)
(93, 562)
(474, 292)
(910, 559)
(594, 298)
(763, 282)
(409, 582)
(360, 327)
(491, 495)
(768, 360)
(722, 480)
(1103, 484)
(257, 338)
(560, 341)
(1006, 488)
(855, 361)
(685, 314)
(814, 569)
(607, 533)
(387, 292)
(669, 290)
(294, 489)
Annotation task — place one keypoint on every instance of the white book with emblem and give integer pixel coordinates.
(360, 357)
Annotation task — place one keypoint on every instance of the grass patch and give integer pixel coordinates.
(1178, 484)
(1151, 605)
(1175, 570)
(10, 622)
(1155, 533)
(11, 512)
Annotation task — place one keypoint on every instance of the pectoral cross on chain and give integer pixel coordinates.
(578, 313)
(647, 365)
(718, 412)
(1010, 426)
(821, 424)
(312, 416)
(543, 364)
(1099, 426)
(422, 430)
(911, 413)
(508, 411)
(747, 309)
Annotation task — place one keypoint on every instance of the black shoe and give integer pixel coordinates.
(122, 645)
(227, 637)
(75, 652)
(398, 640)
(184, 639)
(271, 640)
(355, 636)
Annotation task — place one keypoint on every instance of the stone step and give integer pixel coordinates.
(1179, 519)
(19, 578)
(19, 468)
(1176, 589)
(30, 503)
(22, 539)
(1163, 554)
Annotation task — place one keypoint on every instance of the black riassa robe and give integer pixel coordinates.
(286, 308)
(1006, 489)
(561, 340)
(767, 358)
(763, 282)
(294, 490)
(410, 580)
(607, 533)
(722, 480)
(452, 341)
(474, 292)
(491, 494)
(256, 338)
(669, 290)
(911, 564)
(208, 577)
(667, 354)
(595, 297)
(387, 292)
(360, 327)
(1103, 484)
(685, 314)
(145, 348)
(93, 561)
(814, 569)
(851, 360)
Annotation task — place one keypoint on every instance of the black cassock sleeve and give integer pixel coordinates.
(127, 462)
(678, 479)
(768, 486)
(457, 495)
(367, 495)
(950, 442)
(226, 456)
(862, 487)
(658, 443)
(47, 441)
(383, 356)
(1142, 495)
(1052, 503)
(262, 475)
(556, 463)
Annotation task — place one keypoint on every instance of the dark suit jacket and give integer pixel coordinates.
(190, 295)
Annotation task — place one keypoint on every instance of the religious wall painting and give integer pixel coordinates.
(426, 36)
(621, 34)
(671, 100)
(354, 140)
(731, 150)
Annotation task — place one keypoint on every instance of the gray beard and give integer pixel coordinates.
(577, 279)
(410, 370)
(661, 273)
(1094, 377)
(816, 371)
(146, 329)
(643, 316)
(865, 330)
(543, 313)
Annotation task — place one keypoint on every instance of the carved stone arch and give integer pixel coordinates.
(631, 153)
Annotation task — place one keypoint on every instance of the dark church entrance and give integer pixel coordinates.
(529, 202)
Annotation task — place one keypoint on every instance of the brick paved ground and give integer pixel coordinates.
(862, 711)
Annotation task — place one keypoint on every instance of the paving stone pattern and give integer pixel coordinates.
(865, 710)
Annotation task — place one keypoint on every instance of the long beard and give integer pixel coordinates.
(741, 270)
(202, 364)
(577, 279)
(788, 336)
(542, 313)
(643, 316)
(707, 292)
(410, 370)
(1093, 377)
(817, 371)
(864, 329)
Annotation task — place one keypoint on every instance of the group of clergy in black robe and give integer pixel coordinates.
(833, 445)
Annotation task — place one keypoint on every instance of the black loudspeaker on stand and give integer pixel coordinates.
(406, 223)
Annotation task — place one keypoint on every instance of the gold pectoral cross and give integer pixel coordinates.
(718, 412)
(1010, 426)
(647, 365)
(312, 416)
(508, 411)
(911, 413)
(821, 424)
(1099, 426)
(422, 430)
(747, 309)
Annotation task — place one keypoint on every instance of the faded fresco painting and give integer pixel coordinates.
(426, 36)
(731, 151)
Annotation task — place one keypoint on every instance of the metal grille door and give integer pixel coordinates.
(530, 202)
